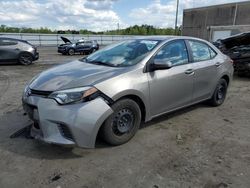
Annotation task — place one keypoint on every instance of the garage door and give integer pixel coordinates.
(221, 34)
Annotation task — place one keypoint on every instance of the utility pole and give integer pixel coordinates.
(176, 17)
(118, 26)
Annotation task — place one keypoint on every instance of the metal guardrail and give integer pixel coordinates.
(55, 40)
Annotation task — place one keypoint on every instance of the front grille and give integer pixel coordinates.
(40, 93)
(65, 131)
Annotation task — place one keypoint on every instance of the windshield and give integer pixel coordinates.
(123, 54)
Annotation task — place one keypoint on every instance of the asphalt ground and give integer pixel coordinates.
(199, 146)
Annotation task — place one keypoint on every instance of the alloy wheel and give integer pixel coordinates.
(25, 59)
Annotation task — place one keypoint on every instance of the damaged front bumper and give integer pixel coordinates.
(74, 124)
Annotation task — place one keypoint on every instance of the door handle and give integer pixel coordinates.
(189, 71)
(16, 48)
(217, 64)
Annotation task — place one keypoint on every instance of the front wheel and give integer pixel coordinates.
(25, 59)
(219, 93)
(71, 51)
(122, 125)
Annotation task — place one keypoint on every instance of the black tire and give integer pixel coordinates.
(25, 58)
(71, 51)
(219, 93)
(122, 125)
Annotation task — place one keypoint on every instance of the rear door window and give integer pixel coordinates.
(80, 43)
(88, 43)
(6, 42)
(212, 53)
(200, 51)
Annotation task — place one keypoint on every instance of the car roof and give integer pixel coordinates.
(7, 38)
(165, 38)
(88, 41)
(159, 38)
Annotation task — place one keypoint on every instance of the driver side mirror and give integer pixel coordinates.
(159, 64)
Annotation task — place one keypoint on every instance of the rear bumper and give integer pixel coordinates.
(76, 124)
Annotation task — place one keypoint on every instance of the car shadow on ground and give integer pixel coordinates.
(11, 63)
(32, 148)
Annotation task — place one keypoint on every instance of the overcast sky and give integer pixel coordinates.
(95, 15)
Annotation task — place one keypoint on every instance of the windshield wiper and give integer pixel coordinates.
(97, 62)
(100, 63)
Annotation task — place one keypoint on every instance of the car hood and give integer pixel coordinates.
(66, 45)
(66, 40)
(237, 40)
(74, 74)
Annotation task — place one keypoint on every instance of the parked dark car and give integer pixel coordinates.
(15, 50)
(82, 46)
(237, 47)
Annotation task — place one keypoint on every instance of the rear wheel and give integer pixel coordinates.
(122, 125)
(71, 51)
(25, 59)
(219, 93)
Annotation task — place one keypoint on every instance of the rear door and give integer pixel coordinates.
(84, 46)
(205, 69)
(171, 88)
(88, 45)
(79, 47)
(8, 49)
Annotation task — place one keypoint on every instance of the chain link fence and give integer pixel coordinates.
(55, 40)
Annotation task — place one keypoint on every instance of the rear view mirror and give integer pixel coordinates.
(159, 64)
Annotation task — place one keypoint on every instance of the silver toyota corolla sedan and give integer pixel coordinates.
(114, 89)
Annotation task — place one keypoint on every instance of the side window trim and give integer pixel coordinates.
(189, 50)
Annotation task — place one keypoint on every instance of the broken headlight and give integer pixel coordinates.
(74, 95)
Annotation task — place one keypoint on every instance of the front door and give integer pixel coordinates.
(171, 88)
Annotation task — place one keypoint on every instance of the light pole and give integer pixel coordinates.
(176, 17)
(118, 27)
